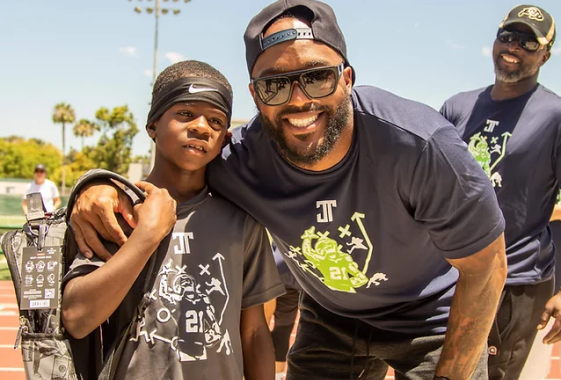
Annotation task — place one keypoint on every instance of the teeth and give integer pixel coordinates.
(195, 147)
(301, 123)
(510, 59)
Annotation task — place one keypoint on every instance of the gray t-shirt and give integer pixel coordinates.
(518, 144)
(369, 238)
(216, 262)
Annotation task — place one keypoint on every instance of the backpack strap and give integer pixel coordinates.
(97, 175)
(115, 352)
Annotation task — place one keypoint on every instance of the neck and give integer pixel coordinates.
(503, 91)
(181, 184)
(339, 151)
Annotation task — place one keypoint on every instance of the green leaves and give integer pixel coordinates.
(18, 157)
(63, 113)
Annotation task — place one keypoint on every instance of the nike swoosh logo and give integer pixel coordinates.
(194, 90)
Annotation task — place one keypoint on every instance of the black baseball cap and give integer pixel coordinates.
(324, 28)
(537, 18)
(40, 167)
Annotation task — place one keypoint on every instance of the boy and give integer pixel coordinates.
(213, 273)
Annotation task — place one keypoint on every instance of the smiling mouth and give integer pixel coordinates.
(510, 58)
(303, 122)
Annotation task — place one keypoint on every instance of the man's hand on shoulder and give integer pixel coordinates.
(94, 213)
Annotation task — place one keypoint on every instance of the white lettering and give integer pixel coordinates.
(491, 124)
(326, 214)
(182, 247)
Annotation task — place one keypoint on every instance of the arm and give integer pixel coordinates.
(269, 308)
(57, 203)
(94, 213)
(257, 345)
(91, 299)
(24, 206)
(478, 291)
(556, 215)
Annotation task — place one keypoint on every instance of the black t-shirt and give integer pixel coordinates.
(518, 144)
(368, 238)
(216, 262)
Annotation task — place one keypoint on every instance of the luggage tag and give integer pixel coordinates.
(40, 278)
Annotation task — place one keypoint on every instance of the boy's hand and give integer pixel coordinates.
(94, 212)
(156, 215)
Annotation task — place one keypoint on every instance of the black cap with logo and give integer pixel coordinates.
(536, 18)
(324, 28)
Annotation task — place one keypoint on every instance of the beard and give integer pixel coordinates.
(337, 121)
(507, 76)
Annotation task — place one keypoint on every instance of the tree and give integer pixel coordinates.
(114, 152)
(63, 113)
(84, 128)
(18, 157)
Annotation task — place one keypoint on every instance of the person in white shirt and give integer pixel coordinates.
(49, 191)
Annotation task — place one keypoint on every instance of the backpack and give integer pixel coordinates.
(38, 256)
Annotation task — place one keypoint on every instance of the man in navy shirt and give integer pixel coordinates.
(513, 129)
(387, 222)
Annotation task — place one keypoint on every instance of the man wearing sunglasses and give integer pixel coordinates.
(374, 201)
(513, 128)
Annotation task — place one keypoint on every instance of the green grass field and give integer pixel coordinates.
(4, 271)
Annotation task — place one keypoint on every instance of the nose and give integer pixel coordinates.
(298, 95)
(199, 126)
(513, 45)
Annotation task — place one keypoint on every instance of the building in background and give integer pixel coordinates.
(237, 122)
(13, 186)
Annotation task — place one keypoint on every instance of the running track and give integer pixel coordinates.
(11, 362)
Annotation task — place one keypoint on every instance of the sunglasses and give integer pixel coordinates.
(316, 83)
(525, 40)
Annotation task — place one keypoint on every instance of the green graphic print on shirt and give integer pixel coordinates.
(332, 263)
(489, 150)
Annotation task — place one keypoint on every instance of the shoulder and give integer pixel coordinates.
(548, 100)
(250, 131)
(226, 209)
(395, 115)
(50, 183)
(462, 102)
(466, 97)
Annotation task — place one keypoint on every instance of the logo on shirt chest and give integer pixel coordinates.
(329, 257)
(488, 149)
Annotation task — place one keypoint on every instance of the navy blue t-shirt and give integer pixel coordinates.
(517, 143)
(368, 238)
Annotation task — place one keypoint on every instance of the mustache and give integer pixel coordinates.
(305, 108)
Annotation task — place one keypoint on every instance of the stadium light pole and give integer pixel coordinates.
(157, 10)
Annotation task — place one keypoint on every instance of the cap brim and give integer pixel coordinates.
(539, 36)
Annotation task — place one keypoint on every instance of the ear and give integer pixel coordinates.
(151, 129)
(545, 57)
(227, 138)
(252, 91)
(348, 77)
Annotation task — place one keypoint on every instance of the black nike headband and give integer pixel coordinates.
(188, 90)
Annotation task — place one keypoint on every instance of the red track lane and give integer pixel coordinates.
(11, 365)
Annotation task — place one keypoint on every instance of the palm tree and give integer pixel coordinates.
(63, 113)
(84, 128)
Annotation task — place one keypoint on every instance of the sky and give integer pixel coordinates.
(93, 53)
